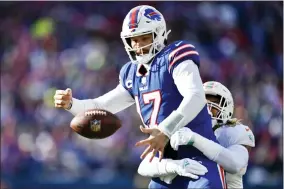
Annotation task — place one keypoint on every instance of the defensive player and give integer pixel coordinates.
(164, 82)
(235, 138)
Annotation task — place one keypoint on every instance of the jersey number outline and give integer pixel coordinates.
(156, 99)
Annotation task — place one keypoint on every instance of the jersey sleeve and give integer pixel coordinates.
(246, 136)
(241, 134)
(124, 81)
(180, 52)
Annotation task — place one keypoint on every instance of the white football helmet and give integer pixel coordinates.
(143, 20)
(226, 104)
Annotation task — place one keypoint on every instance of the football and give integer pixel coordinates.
(95, 124)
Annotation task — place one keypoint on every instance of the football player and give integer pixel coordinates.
(164, 82)
(235, 138)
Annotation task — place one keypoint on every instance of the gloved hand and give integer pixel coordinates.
(183, 136)
(184, 167)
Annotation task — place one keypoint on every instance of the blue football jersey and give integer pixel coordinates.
(157, 96)
(155, 93)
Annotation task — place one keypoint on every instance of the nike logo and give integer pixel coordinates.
(178, 44)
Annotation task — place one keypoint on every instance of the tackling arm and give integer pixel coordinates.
(232, 159)
(114, 101)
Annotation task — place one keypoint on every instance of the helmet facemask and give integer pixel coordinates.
(158, 43)
(223, 115)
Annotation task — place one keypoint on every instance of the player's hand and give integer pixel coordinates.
(190, 168)
(185, 167)
(156, 141)
(63, 98)
(183, 136)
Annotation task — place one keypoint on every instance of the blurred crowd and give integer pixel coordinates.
(46, 46)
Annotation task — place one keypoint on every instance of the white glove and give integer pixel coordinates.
(185, 167)
(190, 168)
(183, 136)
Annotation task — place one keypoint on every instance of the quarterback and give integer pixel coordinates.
(163, 81)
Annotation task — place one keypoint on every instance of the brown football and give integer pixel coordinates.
(95, 124)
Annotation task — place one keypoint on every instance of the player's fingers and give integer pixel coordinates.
(57, 106)
(196, 170)
(143, 142)
(61, 92)
(58, 97)
(145, 130)
(153, 155)
(68, 91)
(61, 97)
(197, 166)
(161, 154)
(60, 102)
(146, 152)
(190, 175)
(199, 171)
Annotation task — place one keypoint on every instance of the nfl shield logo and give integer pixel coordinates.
(95, 125)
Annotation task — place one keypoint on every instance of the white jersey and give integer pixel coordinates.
(237, 135)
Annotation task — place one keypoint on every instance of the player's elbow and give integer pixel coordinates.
(232, 159)
(234, 168)
(238, 159)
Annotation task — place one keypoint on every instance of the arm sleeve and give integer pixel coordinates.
(114, 101)
(232, 159)
(188, 81)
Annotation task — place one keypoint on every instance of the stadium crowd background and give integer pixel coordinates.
(54, 45)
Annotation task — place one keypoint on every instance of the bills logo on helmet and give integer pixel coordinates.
(151, 14)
